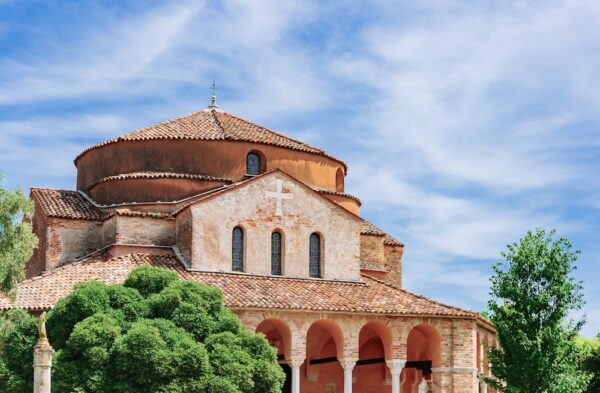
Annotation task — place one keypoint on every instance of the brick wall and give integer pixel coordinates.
(250, 208)
(67, 240)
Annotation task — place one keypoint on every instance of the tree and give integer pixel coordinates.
(590, 349)
(533, 291)
(154, 333)
(17, 240)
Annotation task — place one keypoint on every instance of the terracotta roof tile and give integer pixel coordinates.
(371, 230)
(138, 213)
(329, 192)
(65, 204)
(160, 175)
(214, 126)
(241, 291)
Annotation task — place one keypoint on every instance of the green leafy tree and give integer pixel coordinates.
(17, 241)
(590, 349)
(533, 291)
(154, 333)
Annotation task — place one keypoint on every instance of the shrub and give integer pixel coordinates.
(155, 333)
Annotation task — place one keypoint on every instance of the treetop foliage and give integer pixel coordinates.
(533, 291)
(17, 240)
(154, 333)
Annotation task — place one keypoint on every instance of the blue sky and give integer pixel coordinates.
(463, 123)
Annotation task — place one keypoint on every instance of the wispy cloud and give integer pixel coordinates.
(464, 124)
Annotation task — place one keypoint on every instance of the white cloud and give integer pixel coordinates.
(102, 61)
(465, 123)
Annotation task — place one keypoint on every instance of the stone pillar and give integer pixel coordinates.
(295, 366)
(484, 387)
(42, 360)
(348, 366)
(395, 367)
(423, 388)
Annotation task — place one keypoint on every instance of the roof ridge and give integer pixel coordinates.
(213, 113)
(420, 296)
(278, 133)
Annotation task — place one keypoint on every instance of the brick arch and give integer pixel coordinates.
(321, 331)
(279, 335)
(380, 330)
(424, 340)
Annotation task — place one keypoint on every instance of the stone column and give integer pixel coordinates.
(348, 366)
(295, 366)
(42, 360)
(395, 367)
(484, 387)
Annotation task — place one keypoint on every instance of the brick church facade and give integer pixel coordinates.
(266, 218)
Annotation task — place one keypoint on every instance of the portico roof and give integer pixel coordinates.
(241, 291)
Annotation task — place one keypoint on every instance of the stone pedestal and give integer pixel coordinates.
(42, 360)
(42, 367)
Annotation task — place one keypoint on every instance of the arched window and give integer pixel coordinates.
(276, 247)
(253, 164)
(339, 180)
(315, 255)
(237, 250)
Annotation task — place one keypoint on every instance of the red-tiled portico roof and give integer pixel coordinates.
(241, 291)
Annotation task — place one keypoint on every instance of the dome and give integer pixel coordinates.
(187, 155)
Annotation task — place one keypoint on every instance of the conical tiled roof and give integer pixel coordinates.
(212, 125)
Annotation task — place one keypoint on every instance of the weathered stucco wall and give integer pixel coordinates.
(145, 231)
(67, 240)
(250, 208)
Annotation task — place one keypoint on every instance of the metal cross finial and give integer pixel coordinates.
(213, 100)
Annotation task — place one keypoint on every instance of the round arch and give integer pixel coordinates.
(319, 333)
(374, 348)
(279, 335)
(377, 330)
(424, 343)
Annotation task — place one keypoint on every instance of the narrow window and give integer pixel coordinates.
(315, 255)
(276, 253)
(253, 164)
(237, 250)
(339, 180)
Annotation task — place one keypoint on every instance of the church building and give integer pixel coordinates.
(267, 219)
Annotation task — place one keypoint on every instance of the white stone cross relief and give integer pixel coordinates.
(279, 195)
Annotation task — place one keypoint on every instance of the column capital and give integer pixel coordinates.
(348, 364)
(295, 363)
(395, 365)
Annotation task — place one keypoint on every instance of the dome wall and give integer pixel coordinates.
(149, 190)
(224, 159)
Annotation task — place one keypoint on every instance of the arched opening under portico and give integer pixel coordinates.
(279, 335)
(374, 348)
(322, 371)
(423, 352)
